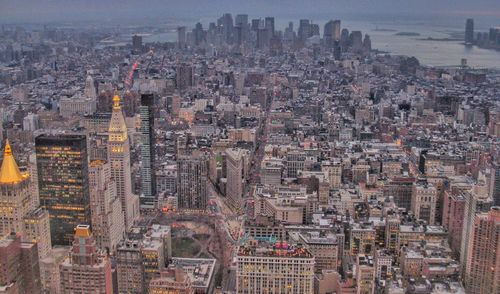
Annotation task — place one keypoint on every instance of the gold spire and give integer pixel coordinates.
(9, 172)
(116, 101)
(117, 126)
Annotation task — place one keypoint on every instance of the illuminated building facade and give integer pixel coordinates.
(119, 159)
(105, 205)
(274, 268)
(63, 183)
(15, 200)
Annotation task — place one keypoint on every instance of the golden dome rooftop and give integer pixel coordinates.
(9, 171)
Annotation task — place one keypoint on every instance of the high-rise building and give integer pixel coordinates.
(401, 189)
(192, 177)
(262, 36)
(37, 230)
(146, 110)
(241, 28)
(184, 76)
(181, 36)
(477, 201)
(274, 268)
(269, 25)
(483, 259)
(469, 31)
(198, 34)
(63, 183)
(19, 266)
(87, 269)
(304, 29)
(142, 259)
(328, 34)
(453, 217)
(129, 267)
(495, 183)
(119, 159)
(90, 90)
(423, 202)
(236, 160)
(137, 43)
(15, 200)
(107, 216)
(227, 27)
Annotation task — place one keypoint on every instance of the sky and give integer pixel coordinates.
(40, 11)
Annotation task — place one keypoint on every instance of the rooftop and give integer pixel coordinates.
(278, 249)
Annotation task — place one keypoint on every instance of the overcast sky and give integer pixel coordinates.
(81, 10)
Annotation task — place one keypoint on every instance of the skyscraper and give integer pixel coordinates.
(15, 200)
(241, 28)
(119, 159)
(328, 33)
(235, 163)
(63, 183)
(148, 197)
(483, 259)
(331, 33)
(181, 36)
(495, 183)
(227, 27)
(476, 202)
(469, 31)
(184, 76)
(192, 177)
(304, 29)
(86, 270)
(20, 208)
(90, 90)
(137, 43)
(106, 207)
(269, 25)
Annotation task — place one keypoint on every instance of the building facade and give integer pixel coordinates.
(63, 183)
(282, 268)
(87, 269)
(192, 177)
(148, 197)
(119, 159)
(107, 215)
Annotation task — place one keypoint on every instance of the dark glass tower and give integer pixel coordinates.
(148, 195)
(469, 31)
(63, 183)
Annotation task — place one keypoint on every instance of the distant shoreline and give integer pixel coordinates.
(408, 34)
(440, 39)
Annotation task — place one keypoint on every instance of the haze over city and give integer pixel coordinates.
(76, 10)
